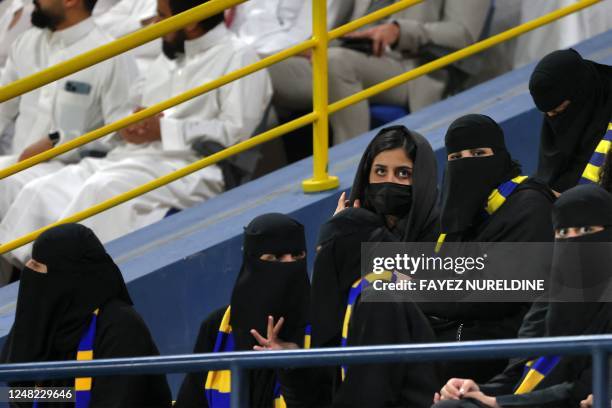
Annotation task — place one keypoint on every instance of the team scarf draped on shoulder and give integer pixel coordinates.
(496, 200)
(218, 386)
(356, 290)
(83, 385)
(592, 171)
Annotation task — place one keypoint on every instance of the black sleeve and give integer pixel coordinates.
(388, 385)
(533, 326)
(191, 393)
(308, 387)
(121, 332)
(556, 396)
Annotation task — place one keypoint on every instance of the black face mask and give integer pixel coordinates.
(467, 185)
(271, 288)
(389, 198)
(173, 49)
(582, 266)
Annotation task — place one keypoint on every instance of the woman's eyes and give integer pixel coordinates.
(454, 156)
(562, 232)
(380, 171)
(404, 173)
(585, 230)
(478, 153)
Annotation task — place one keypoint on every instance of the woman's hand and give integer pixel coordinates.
(344, 203)
(272, 342)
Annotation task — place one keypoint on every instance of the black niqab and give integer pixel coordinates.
(569, 138)
(421, 222)
(469, 181)
(264, 288)
(54, 308)
(338, 266)
(582, 263)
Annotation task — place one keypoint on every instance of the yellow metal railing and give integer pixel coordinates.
(321, 109)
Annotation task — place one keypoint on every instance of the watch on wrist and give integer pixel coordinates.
(54, 137)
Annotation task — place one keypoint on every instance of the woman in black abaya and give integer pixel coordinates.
(397, 178)
(273, 282)
(69, 277)
(582, 258)
(575, 96)
(485, 199)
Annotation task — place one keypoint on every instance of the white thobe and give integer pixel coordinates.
(125, 17)
(273, 25)
(562, 33)
(226, 115)
(71, 106)
(9, 33)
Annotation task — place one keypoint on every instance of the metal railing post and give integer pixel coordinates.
(601, 398)
(320, 180)
(240, 387)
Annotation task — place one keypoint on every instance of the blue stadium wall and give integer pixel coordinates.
(182, 268)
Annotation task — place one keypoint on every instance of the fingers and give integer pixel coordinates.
(278, 326)
(468, 386)
(341, 203)
(436, 398)
(270, 329)
(451, 389)
(259, 338)
(357, 203)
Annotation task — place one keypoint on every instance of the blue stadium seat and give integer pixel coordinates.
(382, 114)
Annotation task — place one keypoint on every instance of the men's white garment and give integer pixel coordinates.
(71, 106)
(560, 34)
(14, 20)
(226, 115)
(127, 16)
(102, 6)
(273, 25)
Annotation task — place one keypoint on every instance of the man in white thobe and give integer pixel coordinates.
(67, 108)
(160, 144)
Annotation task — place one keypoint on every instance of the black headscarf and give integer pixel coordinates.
(338, 266)
(582, 264)
(54, 308)
(569, 138)
(419, 221)
(469, 181)
(264, 288)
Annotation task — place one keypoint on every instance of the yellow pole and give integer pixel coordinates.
(321, 180)
(458, 55)
(155, 109)
(114, 48)
(168, 178)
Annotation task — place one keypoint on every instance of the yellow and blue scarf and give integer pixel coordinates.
(218, 388)
(356, 289)
(535, 371)
(84, 353)
(592, 171)
(496, 199)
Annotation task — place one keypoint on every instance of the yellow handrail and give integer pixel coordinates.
(309, 118)
(114, 48)
(320, 180)
(158, 108)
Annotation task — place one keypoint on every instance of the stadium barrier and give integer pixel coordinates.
(321, 180)
(599, 347)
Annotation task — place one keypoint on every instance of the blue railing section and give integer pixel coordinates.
(599, 347)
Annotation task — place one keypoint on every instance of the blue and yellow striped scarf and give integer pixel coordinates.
(496, 199)
(592, 171)
(535, 371)
(84, 353)
(218, 386)
(356, 289)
